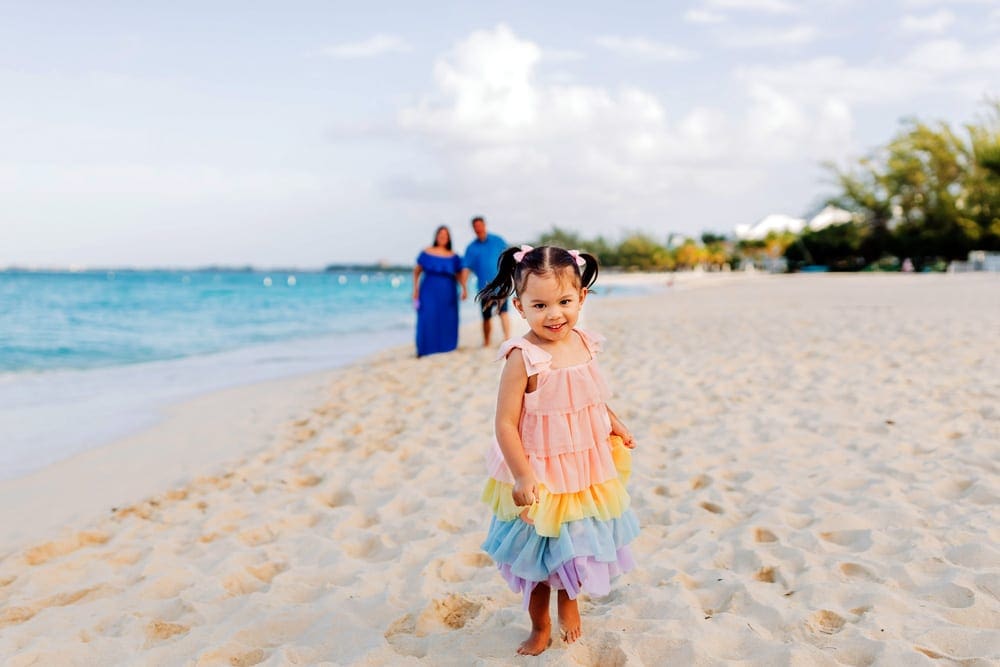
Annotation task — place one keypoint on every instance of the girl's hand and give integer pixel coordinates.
(619, 429)
(525, 490)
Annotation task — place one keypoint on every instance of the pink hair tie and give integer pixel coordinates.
(519, 255)
(580, 261)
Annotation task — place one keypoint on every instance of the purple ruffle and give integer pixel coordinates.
(574, 576)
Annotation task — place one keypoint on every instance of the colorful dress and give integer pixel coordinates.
(576, 536)
(437, 316)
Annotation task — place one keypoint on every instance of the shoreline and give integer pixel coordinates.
(138, 457)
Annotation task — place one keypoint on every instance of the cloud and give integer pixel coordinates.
(644, 49)
(596, 154)
(703, 16)
(931, 69)
(768, 37)
(931, 23)
(929, 3)
(562, 55)
(376, 45)
(766, 6)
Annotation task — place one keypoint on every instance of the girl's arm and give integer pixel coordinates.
(619, 429)
(513, 382)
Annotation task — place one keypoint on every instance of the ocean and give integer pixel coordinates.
(89, 356)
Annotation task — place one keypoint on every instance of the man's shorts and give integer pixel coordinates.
(495, 309)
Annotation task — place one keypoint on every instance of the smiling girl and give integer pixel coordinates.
(560, 460)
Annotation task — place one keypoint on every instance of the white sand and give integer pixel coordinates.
(817, 481)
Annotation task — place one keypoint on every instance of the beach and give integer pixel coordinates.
(816, 478)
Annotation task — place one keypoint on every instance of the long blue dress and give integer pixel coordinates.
(437, 316)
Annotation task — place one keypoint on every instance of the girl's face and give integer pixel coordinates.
(551, 304)
(442, 238)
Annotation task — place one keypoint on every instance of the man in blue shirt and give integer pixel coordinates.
(481, 258)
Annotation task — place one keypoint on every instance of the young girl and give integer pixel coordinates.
(560, 460)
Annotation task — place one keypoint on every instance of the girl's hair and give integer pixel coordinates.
(513, 274)
(438, 231)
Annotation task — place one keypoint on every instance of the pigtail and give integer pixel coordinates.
(588, 272)
(502, 286)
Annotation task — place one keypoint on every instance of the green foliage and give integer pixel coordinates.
(836, 246)
(640, 251)
(928, 194)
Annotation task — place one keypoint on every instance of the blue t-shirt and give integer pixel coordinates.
(481, 258)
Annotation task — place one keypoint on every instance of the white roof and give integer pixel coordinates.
(831, 215)
(776, 222)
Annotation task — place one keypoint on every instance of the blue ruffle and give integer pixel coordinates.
(534, 558)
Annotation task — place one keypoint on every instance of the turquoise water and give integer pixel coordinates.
(83, 320)
(88, 357)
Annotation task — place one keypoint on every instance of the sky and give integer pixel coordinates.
(298, 133)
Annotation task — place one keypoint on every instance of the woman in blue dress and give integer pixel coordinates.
(436, 296)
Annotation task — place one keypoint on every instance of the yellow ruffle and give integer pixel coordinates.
(605, 501)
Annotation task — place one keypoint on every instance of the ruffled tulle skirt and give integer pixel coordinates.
(573, 541)
(586, 555)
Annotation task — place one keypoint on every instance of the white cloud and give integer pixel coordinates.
(769, 37)
(929, 3)
(941, 67)
(766, 6)
(993, 20)
(703, 16)
(562, 55)
(376, 45)
(931, 23)
(638, 47)
(593, 153)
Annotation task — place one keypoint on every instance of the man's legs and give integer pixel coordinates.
(487, 327)
(505, 323)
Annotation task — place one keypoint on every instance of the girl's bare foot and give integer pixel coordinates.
(569, 618)
(541, 624)
(539, 640)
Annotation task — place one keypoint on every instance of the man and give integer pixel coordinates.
(481, 258)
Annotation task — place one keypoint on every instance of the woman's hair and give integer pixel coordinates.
(513, 274)
(438, 231)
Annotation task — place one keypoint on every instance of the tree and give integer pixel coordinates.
(689, 254)
(929, 193)
(641, 251)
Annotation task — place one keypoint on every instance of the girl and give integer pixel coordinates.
(560, 460)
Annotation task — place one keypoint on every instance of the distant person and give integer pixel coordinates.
(436, 296)
(560, 459)
(481, 258)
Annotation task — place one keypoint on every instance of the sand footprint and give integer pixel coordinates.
(711, 507)
(856, 571)
(337, 498)
(20, 614)
(460, 568)
(764, 535)
(235, 655)
(452, 611)
(855, 540)
(158, 631)
(604, 650)
(46, 552)
(826, 621)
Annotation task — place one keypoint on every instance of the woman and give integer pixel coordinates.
(436, 297)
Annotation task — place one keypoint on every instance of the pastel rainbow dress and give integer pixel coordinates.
(576, 536)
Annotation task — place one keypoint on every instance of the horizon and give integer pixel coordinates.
(307, 135)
